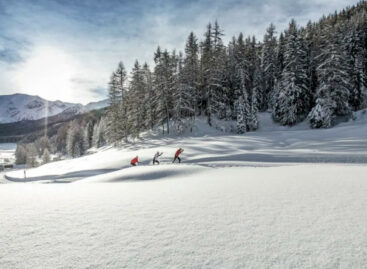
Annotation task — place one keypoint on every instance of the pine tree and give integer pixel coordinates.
(212, 70)
(184, 102)
(254, 99)
(164, 83)
(75, 140)
(230, 80)
(333, 90)
(137, 90)
(31, 155)
(293, 99)
(311, 52)
(150, 98)
(117, 91)
(88, 135)
(20, 154)
(241, 116)
(99, 133)
(243, 107)
(356, 54)
(190, 72)
(46, 156)
(268, 66)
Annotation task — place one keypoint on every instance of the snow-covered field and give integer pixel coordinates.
(7, 151)
(276, 198)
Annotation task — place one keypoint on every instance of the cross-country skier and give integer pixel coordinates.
(134, 161)
(177, 154)
(156, 156)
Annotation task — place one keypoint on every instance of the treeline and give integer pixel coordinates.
(316, 72)
(71, 138)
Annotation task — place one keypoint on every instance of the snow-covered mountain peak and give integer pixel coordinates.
(18, 107)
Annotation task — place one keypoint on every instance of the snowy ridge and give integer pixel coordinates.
(18, 107)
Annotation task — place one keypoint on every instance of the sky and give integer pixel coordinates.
(67, 49)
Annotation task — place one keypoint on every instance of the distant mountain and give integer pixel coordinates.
(97, 105)
(20, 107)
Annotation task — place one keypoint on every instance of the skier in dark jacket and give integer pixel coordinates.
(156, 156)
(134, 161)
(177, 154)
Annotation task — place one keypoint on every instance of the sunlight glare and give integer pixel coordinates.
(48, 72)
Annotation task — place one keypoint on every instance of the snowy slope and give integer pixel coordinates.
(342, 144)
(19, 107)
(276, 198)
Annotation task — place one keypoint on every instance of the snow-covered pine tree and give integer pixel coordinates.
(75, 142)
(115, 115)
(31, 155)
(46, 158)
(268, 66)
(246, 83)
(99, 133)
(219, 91)
(184, 102)
(293, 99)
(241, 115)
(137, 91)
(113, 109)
(243, 106)
(164, 83)
(20, 154)
(121, 76)
(280, 55)
(356, 52)
(252, 122)
(212, 71)
(241, 67)
(205, 67)
(88, 135)
(150, 98)
(333, 90)
(190, 72)
(230, 80)
(321, 115)
(311, 52)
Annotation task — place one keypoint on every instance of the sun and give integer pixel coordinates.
(48, 72)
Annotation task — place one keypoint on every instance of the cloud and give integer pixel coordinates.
(98, 34)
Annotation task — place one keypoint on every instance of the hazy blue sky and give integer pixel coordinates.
(67, 49)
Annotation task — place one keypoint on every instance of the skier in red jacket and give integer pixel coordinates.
(134, 161)
(178, 152)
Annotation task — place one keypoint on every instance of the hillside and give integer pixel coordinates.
(278, 197)
(272, 145)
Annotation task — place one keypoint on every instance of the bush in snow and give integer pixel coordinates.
(321, 116)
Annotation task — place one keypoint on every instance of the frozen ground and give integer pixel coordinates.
(277, 198)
